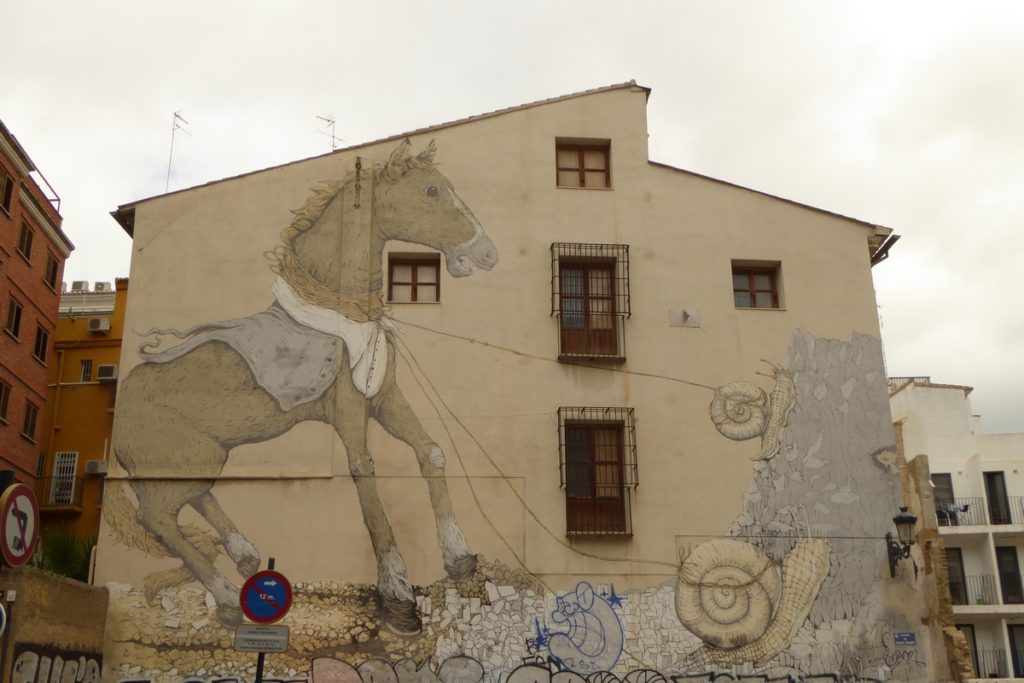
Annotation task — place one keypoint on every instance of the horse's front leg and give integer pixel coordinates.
(398, 602)
(393, 412)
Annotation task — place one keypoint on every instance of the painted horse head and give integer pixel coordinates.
(335, 242)
(414, 202)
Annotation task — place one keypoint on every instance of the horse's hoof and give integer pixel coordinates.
(399, 616)
(229, 616)
(248, 566)
(462, 569)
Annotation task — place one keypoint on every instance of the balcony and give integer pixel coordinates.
(961, 512)
(992, 664)
(974, 590)
(1008, 510)
(60, 494)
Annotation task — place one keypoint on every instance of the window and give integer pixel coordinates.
(590, 299)
(52, 266)
(42, 339)
(598, 465)
(755, 286)
(583, 163)
(25, 241)
(28, 427)
(87, 370)
(5, 400)
(13, 318)
(6, 191)
(414, 277)
(62, 485)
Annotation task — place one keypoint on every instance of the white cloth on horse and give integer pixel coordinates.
(293, 349)
(366, 342)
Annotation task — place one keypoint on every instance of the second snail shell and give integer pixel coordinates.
(727, 592)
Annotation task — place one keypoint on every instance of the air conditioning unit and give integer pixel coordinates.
(103, 287)
(99, 325)
(95, 466)
(106, 373)
(80, 286)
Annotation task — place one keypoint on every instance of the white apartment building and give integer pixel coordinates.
(978, 482)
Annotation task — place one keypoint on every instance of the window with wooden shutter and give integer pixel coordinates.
(598, 465)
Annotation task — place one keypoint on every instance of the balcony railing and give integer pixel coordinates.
(977, 590)
(992, 664)
(61, 491)
(961, 512)
(1006, 510)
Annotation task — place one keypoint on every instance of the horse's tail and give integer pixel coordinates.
(122, 518)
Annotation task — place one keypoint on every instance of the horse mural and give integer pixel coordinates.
(323, 350)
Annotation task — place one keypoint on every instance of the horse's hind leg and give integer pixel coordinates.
(393, 412)
(159, 505)
(238, 547)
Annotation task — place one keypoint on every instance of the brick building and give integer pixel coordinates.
(32, 253)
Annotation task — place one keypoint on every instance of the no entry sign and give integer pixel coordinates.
(266, 597)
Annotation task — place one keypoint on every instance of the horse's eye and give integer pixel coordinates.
(430, 191)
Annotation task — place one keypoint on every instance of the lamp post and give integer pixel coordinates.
(904, 522)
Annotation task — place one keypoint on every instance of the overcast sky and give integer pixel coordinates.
(907, 114)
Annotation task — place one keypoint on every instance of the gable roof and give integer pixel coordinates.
(125, 213)
(878, 241)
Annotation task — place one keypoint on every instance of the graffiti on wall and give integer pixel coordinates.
(468, 670)
(587, 635)
(790, 586)
(44, 664)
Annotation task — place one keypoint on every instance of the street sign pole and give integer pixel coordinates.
(261, 655)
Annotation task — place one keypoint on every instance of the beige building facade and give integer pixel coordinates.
(505, 400)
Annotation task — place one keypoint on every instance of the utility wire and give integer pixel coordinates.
(524, 354)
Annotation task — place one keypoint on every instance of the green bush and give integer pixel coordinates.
(62, 551)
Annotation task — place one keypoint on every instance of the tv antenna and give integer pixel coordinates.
(177, 123)
(329, 120)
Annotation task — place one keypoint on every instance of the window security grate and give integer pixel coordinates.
(590, 299)
(614, 255)
(597, 464)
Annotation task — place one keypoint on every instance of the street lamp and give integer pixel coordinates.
(904, 522)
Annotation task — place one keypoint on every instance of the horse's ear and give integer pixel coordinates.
(401, 152)
(427, 155)
(398, 162)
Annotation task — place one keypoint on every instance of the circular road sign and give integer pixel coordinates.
(266, 597)
(19, 524)
(3, 619)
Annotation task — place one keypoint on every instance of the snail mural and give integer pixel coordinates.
(741, 410)
(741, 604)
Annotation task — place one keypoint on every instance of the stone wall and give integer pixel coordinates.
(55, 628)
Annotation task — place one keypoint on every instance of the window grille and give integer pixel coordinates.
(597, 465)
(590, 299)
(62, 485)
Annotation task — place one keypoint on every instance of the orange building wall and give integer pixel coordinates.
(79, 415)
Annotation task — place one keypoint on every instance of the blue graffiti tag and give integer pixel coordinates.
(588, 635)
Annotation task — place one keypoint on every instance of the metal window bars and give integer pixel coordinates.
(599, 450)
(590, 299)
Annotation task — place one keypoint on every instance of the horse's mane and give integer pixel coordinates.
(289, 267)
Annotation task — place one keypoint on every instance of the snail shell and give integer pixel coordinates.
(803, 572)
(727, 592)
(739, 410)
